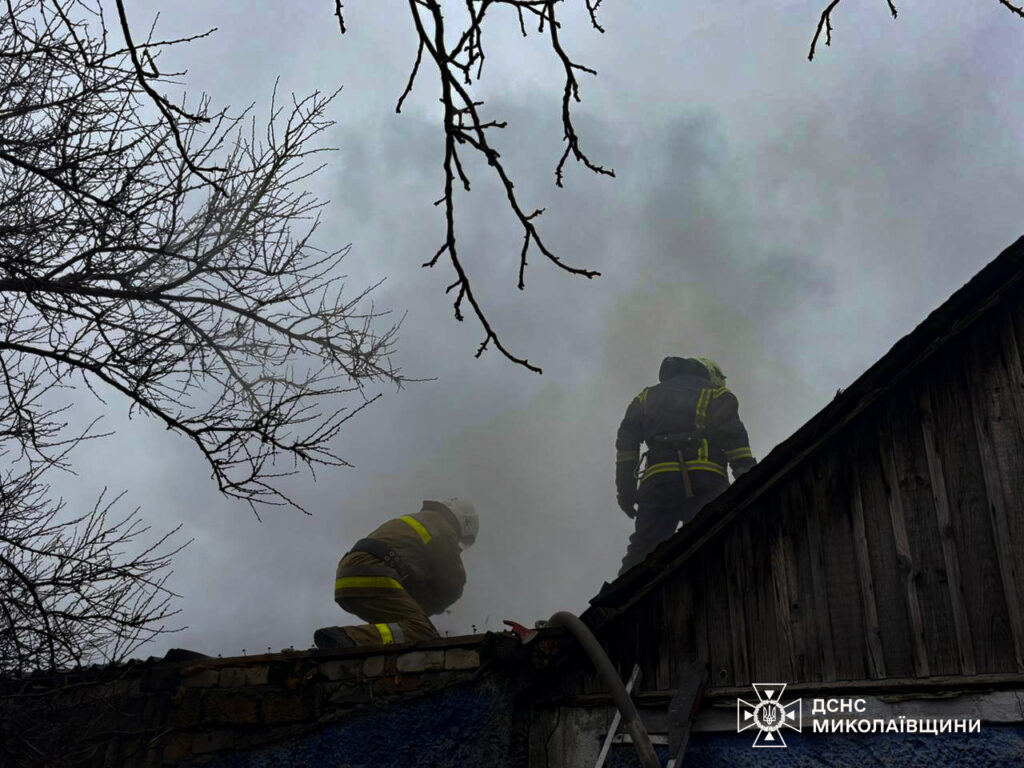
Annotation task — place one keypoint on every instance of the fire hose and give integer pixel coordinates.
(603, 665)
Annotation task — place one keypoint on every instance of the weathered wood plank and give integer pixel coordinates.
(680, 633)
(894, 624)
(669, 638)
(1013, 343)
(777, 531)
(641, 648)
(908, 570)
(893, 688)
(1002, 452)
(1011, 337)
(700, 619)
(619, 646)
(674, 635)
(824, 642)
(798, 577)
(943, 519)
(865, 578)
(922, 525)
(719, 629)
(665, 637)
(736, 588)
(951, 396)
(748, 556)
(765, 649)
(832, 503)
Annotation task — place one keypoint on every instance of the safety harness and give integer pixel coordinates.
(680, 441)
(386, 553)
(383, 552)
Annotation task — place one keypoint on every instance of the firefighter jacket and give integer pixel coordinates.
(687, 417)
(429, 565)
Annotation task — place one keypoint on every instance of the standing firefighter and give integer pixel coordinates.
(690, 422)
(406, 570)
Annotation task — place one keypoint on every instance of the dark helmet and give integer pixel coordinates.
(691, 366)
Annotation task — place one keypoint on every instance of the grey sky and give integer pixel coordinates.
(789, 219)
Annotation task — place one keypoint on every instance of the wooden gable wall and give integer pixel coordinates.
(894, 550)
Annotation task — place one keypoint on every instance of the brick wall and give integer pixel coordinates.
(166, 714)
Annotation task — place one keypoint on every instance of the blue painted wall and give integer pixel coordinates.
(994, 746)
(470, 726)
(462, 727)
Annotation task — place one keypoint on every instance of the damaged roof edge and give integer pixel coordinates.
(957, 313)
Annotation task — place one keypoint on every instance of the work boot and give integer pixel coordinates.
(332, 637)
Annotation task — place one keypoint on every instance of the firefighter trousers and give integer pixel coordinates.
(392, 616)
(657, 518)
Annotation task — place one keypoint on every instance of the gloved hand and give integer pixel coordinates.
(741, 467)
(628, 506)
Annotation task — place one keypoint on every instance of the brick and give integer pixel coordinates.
(243, 677)
(342, 694)
(131, 750)
(68, 699)
(124, 688)
(231, 708)
(177, 748)
(161, 678)
(150, 758)
(199, 678)
(374, 666)
(212, 741)
(407, 682)
(461, 658)
(421, 661)
(157, 706)
(285, 707)
(187, 708)
(349, 669)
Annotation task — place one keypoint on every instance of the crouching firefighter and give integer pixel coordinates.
(690, 423)
(408, 569)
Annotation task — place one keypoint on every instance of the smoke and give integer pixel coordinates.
(790, 221)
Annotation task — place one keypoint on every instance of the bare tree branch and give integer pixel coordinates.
(166, 256)
(824, 22)
(170, 112)
(75, 591)
(1018, 10)
(459, 59)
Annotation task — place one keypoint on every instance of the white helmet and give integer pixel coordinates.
(465, 516)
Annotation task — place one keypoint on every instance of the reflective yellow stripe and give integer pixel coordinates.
(719, 392)
(649, 475)
(642, 396)
(707, 466)
(417, 526)
(627, 456)
(657, 469)
(739, 453)
(695, 465)
(663, 465)
(364, 582)
(385, 633)
(702, 450)
(702, 408)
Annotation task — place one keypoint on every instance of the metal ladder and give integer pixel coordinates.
(682, 711)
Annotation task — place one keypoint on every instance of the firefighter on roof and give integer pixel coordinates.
(408, 569)
(690, 424)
